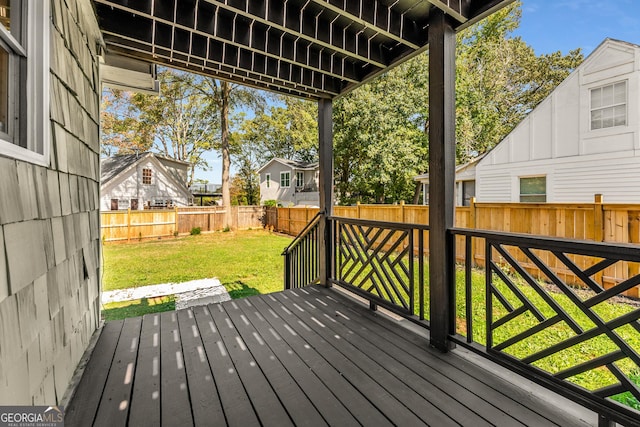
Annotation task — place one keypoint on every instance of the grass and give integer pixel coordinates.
(245, 262)
(588, 350)
(122, 310)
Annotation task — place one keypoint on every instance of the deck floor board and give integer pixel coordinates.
(300, 357)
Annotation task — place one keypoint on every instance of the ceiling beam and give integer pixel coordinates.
(304, 25)
(379, 17)
(227, 71)
(262, 42)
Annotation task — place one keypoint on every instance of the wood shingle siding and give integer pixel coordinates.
(49, 253)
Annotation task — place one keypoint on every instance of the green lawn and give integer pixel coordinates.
(246, 262)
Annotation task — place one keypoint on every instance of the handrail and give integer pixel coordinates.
(301, 262)
(302, 234)
(541, 285)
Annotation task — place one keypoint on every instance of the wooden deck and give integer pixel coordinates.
(301, 357)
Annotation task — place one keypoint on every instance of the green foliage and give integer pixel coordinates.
(627, 398)
(195, 231)
(288, 130)
(226, 229)
(251, 258)
(271, 203)
(179, 123)
(381, 129)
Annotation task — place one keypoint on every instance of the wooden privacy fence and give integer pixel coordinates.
(131, 225)
(598, 221)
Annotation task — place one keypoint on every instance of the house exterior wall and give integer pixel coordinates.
(179, 170)
(289, 195)
(130, 186)
(555, 140)
(49, 226)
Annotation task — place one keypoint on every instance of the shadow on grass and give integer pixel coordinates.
(140, 307)
(239, 289)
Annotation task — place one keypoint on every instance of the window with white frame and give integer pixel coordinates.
(285, 179)
(24, 80)
(609, 106)
(533, 189)
(299, 179)
(268, 179)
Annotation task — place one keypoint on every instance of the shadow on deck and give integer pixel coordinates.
(309, 356)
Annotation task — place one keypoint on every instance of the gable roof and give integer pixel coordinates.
(117, 166)
(293, 164)
(111, 167)
(590, 65)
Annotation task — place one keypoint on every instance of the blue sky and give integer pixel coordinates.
(549, 26)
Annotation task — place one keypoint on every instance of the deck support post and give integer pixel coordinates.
(325, 189)
(442, 162)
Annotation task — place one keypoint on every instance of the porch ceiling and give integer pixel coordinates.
(308, 48)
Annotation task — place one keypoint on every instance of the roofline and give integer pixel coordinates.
(283, 162)
(180, 186)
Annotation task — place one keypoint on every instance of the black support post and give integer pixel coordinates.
(325, 187)
(442, 150)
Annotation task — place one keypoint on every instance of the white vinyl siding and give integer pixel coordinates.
(609, 106)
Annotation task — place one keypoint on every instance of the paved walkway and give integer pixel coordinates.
(195, 292)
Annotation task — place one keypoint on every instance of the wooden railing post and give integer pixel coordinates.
(442, 157)
(325, 189)
(472, 225)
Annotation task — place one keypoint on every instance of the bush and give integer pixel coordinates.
(271, 203)
(226, 229)
(195, 230)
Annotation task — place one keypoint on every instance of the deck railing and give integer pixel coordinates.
(383, 262)
(542, 308)
(301, 263)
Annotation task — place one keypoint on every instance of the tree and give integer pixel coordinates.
(499, 80)
(381, 129)
(227, 97)
(379, 141)
(288, 130)
(121, 131)
(179, 123)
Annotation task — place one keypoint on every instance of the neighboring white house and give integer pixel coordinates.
(143, 181)
(582, 140)
(465, 183)
(290, 183)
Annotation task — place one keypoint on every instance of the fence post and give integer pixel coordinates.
(358, 210)
(402, 211)
(129, 225)
(175, 233)
(598, 218)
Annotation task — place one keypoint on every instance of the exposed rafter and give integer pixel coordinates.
(307, 48)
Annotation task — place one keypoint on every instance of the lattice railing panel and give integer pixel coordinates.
(382, 262)
(584, 332)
